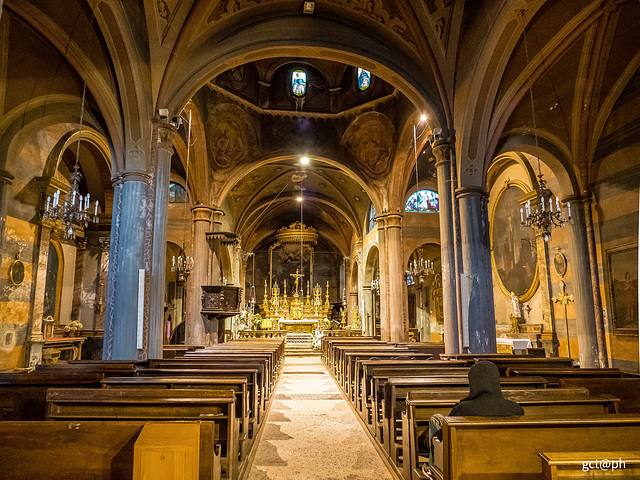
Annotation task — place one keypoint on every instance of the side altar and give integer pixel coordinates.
(296, 314)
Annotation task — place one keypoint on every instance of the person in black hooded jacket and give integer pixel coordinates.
(484, 400)
(485, 397)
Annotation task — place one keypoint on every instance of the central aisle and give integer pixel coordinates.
(312, 433)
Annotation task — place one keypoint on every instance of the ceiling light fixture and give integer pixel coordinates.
(308, 7)
(304, 160)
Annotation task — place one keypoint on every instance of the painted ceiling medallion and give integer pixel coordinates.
(371, 140)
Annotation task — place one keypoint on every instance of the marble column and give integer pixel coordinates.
(162, 150)
(101, 293)
(442, 152)
(126, 255)
(476, 258)
(583, 292)
(367, 312)
(5, 183)
(548, 337)
(383, 293)
(78, 280)
(394, 291)
(199, 274)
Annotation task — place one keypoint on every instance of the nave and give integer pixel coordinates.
(311, 432)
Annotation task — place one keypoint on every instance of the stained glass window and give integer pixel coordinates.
(372, 218)
(299, 82)
(364, 78)
(177, 193)
(423, 201)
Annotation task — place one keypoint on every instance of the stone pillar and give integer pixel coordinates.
(194, 334)
(162, 150)
(442, 152)
(581, 275)
(393, 289)
(126, 259)
(367, 313)
(5, 183)
(101, 293)
(476, 258)
(215, 272)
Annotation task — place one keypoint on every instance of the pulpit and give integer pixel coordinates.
(218, 303)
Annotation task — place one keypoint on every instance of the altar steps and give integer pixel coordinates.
(299, 344)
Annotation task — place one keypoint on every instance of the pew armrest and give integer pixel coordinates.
(438, 458)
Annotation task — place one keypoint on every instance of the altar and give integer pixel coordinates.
(305, 325)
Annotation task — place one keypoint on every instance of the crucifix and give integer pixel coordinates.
(564, 299)
(297, 276)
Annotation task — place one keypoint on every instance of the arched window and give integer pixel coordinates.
(177, 193)
(423, 201)
(372, 218)
(364, 78)
(299, 82)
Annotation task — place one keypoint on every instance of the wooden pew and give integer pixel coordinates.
(572, 465)
(217, 406)
(97, 450)
(553, 375)
(396, 389)
(256, 412)
(24, 394)
(528, 362)
(176, 351)
(422, 405)
(237, 384)
(326, 344)
(367, 369)
(509, 448)
(627, 389)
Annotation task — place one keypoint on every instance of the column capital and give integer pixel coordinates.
(442, 148)
(131, 176)
(217, 219)
(472, 191)
(6, 177)
(577, 198)
(166, 133)
(389, 219)
(201, 213)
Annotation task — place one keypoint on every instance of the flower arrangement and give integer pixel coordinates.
(72, 327)
(257, 321)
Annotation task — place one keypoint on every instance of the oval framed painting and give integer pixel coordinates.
(514, 255)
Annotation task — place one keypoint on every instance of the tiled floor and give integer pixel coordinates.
(312, 433)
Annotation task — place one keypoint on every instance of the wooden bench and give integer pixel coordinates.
(508, 448)
(396, 389)
(627, 389)
(99, 450)
(237, 384)
(572, 465)
(216, 406)
(553, 375)
(422, 405)
(24, 394)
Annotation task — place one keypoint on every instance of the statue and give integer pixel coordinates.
(515, 305)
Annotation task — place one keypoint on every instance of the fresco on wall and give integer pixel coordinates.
(623, 285)
(513, 246)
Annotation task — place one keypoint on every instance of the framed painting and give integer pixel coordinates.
(622, 265)
(514, 256)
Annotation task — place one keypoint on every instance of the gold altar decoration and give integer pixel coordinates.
(292, 314)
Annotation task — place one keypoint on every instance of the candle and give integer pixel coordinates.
(73, 198)
(550, 205)
(542, 203)
(569, 208)
(173, 261)
(521, 216)
(557, 204)
(86, 201)
(96, 212)
(48, 201)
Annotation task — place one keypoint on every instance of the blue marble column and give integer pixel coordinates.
(161, 152)
(442, 152)
(126, 257)
(476, 259)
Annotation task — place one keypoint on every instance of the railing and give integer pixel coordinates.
(262, 333)
(342, 333)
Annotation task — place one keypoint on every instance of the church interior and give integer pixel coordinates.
(263, 211)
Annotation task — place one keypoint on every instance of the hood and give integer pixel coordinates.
(484, 377)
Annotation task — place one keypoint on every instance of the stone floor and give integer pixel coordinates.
(312, 433)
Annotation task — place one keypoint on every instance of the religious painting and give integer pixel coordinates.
(622, 264)
(513, 247)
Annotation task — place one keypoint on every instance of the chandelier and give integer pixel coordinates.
(419, 269)
(182, 264)
(73, 213)
(540, 215)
